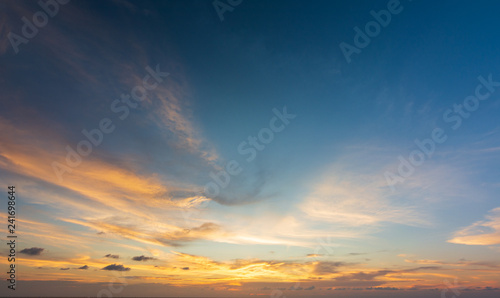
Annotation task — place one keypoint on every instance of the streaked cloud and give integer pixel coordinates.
(352, 199)
(484, 232)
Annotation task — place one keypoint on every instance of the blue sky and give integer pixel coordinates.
(314, 209)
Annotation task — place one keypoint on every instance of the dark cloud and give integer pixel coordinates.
(142, 258)
(423, 268)
(114, 267)
(486, 264)
(327, 267)
(490, 289)
(363, 276)
(185, 268)
(383, 288)
(112, 256)
(84, 267)
(34, 251)
(310, 288)
(64, 269)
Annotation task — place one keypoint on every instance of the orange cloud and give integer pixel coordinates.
(484, 232)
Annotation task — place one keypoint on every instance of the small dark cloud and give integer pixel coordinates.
(363, 276)
(84, 267)
(357, 253)
(64, 269)
(34, 251)
(112, 256)
(423, 268)
(114, 267)
(142, 258)
(310, 288)
(327, 267)
(490, 289)
(185, 268)
(383, 288)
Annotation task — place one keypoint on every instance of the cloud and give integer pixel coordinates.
(363, 276)
(34, 251)
(115, 267)
(170, 112)
(64, 269)
(484, 232)
(185, 268)
(383, 288)
(142, 258)
(327, 267)
(461, 262)
(356, 200)
(112, 256)
(156, 233)
(85, 267)
(313, 255)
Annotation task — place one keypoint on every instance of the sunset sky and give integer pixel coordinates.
(234, 148)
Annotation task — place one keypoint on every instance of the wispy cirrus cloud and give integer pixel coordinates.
(357, 200)
(483, 232)
(462, 262)
(156, 234)
(95, 190)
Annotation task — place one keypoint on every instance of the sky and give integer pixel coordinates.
(239, 148)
